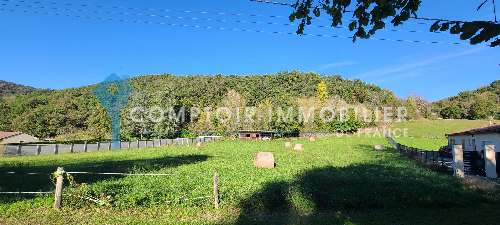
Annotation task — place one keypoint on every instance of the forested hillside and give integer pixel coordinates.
(478, 104)
(76, 113)
(8, 88)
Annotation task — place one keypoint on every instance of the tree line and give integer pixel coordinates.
(483, 103)
(76, 114)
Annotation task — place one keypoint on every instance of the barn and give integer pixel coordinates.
(255, 134)
(481, 150)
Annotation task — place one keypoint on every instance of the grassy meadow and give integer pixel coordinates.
(431, 134)
(337, 180)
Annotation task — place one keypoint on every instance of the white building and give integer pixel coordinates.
(483, 142)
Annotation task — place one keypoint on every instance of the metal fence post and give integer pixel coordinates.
(19, 150)
(56, 149)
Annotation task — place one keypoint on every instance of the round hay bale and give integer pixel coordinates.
(298, 147)
(264, 160)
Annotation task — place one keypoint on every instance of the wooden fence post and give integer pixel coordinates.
(71, 148)
(38, 149)
(59, 188)
(19, 150)
(56, 149)
(216, 190)
(85, 147)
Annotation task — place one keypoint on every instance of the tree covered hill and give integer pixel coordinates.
(481, 103)
(76, 114)
(8, 88)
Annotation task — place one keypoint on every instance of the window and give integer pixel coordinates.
(452, 141)
(248, 135)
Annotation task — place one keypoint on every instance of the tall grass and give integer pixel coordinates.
(332, 181)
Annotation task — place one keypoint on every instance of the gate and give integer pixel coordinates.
(474, 163)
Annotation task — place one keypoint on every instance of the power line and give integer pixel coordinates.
(196, 26)
(165, 10)
(293, 5)
(171, 10)
(201, 18)
(273, 2)
(411, 17)
(222, 20)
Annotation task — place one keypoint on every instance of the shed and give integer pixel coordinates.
(481, 149)
(255, 134)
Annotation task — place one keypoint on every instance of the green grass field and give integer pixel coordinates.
(333, 181)
(430, 134)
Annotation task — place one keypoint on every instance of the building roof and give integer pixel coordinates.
(482, 130)
(4, 135)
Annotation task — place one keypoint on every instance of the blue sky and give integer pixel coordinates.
(56, 45)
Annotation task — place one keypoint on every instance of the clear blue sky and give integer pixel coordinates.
(82, 46)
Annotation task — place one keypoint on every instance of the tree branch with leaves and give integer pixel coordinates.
(369, 16)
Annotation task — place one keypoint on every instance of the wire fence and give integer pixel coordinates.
(60, 175)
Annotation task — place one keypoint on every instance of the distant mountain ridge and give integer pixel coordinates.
(9, 88)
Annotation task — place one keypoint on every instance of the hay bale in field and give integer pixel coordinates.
(288, 144)
(298, 147)
(312, 139)
(264, 160)
(378, 147)
(198, 144)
